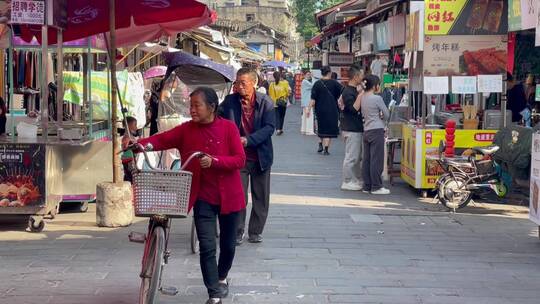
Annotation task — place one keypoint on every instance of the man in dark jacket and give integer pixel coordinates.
(254, 116)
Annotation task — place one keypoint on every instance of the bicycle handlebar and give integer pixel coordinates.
(139, 148)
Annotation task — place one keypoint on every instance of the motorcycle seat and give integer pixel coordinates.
(486, 150)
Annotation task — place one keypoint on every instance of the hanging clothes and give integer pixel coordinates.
(21, 68)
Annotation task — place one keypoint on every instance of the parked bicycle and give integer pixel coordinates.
(465, 176)
(160, 195)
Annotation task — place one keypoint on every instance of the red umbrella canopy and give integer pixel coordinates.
(91, 17)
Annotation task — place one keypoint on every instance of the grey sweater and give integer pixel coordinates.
(372, 106)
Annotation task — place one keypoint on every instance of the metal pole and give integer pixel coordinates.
(89, 65)
(114, 105)
(308, 63)
(59, 79)
(44, 106)
(11, 84)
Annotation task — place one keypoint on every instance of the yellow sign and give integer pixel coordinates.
(441, 15)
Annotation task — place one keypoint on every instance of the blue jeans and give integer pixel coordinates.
(205, 216)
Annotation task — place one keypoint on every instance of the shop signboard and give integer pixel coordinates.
(340, 59)
(436, 85)
(464, 85)
(28, 12)
(514, 15)
(490, 84)
(381, 36)
(418, 8)
(534, 212)
(537, 95)
(528, 14)
(465, 55)
(22, 177)
(463, 17)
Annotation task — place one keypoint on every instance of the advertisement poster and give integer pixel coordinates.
(381, 36)
(528, 14)
(27, 12)
(465, 17)
(22, 179)
(465, 55)
(514, 15)
(534, 212)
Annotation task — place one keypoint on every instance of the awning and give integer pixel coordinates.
(316, 39)
(382, 8)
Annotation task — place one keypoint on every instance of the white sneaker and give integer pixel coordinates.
(351, 187)
(381, 190)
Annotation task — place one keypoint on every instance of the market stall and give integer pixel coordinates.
(455, 73)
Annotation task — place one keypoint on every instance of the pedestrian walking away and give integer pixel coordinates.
(307, 127)
(254, 115)
(352, 128)
(279, 92)
(216, 190)
(375, 113)
(324, 96)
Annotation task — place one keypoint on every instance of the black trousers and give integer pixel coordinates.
(280, 116)
(259, 180)
(373, 162)
(205, 216)
(128, 177)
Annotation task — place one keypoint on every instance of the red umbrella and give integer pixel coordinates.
(149, 18)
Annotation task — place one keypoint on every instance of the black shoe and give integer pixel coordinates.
(224, 288)
(256, 238)
(240, 238)
(212, 301)
(326, 151)
(320, 148)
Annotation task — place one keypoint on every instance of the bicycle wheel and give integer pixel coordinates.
(152, 267)
(194, 239)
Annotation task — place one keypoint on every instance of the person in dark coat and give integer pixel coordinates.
(324, 97)
(517, 101)
(254, 115)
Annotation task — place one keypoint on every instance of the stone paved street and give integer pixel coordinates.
(321, 245)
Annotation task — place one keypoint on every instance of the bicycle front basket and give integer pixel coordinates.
(160, 192)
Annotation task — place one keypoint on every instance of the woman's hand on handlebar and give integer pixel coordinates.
(205, 161)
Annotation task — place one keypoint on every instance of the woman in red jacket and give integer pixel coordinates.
(216, 186)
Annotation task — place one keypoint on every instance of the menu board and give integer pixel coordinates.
(490, 84)
(534, 212)
(465, 55)
(436, 85)
(464, 85)
(22, 178)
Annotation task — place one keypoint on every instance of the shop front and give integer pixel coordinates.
(456, 57)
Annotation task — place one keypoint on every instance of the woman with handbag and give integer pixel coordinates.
(279, 92)
(324, 98)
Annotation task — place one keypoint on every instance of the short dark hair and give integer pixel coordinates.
(325, 70)
(354, 70)
(209, 95)
(277, 76)
(247, 71)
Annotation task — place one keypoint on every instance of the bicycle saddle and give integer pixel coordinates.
(486, 150)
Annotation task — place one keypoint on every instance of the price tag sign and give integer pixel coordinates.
(464, 85)
(436, 85)
(28, 12)
(490, 84)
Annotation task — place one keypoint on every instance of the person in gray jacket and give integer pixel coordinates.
(375, 114)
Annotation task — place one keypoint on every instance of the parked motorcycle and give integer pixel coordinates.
(467, 175)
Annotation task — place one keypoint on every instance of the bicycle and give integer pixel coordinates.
(160, 195)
